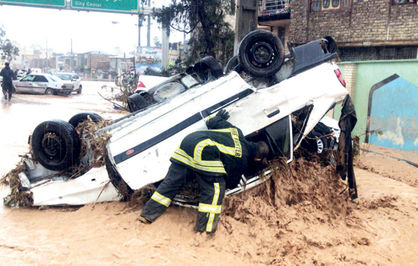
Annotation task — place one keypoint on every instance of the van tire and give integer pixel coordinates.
(56, 145)
(79, 89)
(137, 102)
(261, 53)
(208, 69)
(81, 117)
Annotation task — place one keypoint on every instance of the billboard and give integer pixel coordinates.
(148, 57)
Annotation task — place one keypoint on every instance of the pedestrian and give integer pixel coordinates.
(7, 83)
(217, 158)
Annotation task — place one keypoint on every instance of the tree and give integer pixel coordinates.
(7, 49)
(205, 20)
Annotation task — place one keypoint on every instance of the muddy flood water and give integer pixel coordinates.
(262, 227)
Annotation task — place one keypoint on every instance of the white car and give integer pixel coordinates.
(72, 80)
(41, 83)
(282, 114)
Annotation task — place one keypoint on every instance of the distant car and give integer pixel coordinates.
(20, 74)
(72, 79)
(41, 83)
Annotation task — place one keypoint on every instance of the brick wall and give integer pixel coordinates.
(365, 22)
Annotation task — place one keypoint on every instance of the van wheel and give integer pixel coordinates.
(79, 89)
(56, 145)
(81, 117)
(49, 91)
(261, 53)
(208, 69)
(137, 102)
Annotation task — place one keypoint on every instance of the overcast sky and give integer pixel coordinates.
(88, 31)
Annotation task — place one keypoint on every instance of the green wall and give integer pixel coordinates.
(369, 73)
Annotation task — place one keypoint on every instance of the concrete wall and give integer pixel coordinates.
(362, 75)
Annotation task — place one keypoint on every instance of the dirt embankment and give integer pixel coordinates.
(298, 217)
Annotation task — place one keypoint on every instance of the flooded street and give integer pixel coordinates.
(379, 228)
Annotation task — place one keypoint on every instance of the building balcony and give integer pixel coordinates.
(273, 9)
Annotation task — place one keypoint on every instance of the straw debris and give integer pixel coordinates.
(18, 196)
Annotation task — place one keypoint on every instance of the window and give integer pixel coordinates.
(400, 2)
(28, 78)
(316, 5)
(40, 79)
(321, 5)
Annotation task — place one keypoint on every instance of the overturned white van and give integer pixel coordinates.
(291, 104)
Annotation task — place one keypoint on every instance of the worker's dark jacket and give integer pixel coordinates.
(221, 150)
(7, 75)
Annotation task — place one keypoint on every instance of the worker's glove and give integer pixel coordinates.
(223, 114)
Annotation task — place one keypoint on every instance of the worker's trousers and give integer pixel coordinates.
(212, 191)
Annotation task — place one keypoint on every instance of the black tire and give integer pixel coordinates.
(137, 102)
(79, 89)
(50, 91)
(261, 53)
(56, 145)
(81, 117)
(208, 68)
(233, 64)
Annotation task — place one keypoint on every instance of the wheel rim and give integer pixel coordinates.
(49, 91)
(262, 53)
(52, 146)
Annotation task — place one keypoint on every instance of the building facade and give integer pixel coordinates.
(363, 29)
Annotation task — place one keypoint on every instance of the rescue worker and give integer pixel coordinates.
(217, 158)
(7, 83)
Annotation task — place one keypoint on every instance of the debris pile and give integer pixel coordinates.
(18, 197)
(304, 185)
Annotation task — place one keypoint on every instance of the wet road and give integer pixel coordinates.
(20, 117)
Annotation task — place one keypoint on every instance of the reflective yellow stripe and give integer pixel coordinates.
(225, 149)
(202, 163)
(161, 199)
(208, 166)
(210, 208)
(237, 143)
(211, 169)
(198, 149)
(209, 225)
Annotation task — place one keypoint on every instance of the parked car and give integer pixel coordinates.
(283, 112)
(41, 83)
(72, 81)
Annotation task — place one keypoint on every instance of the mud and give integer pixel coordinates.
(298, 217)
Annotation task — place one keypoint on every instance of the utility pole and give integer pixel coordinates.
(46, 55)
(71, 55)
(245, 20)
(149, 26)
(164, 61)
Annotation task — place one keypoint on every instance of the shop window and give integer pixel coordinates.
(318, 5)
(401, 2)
